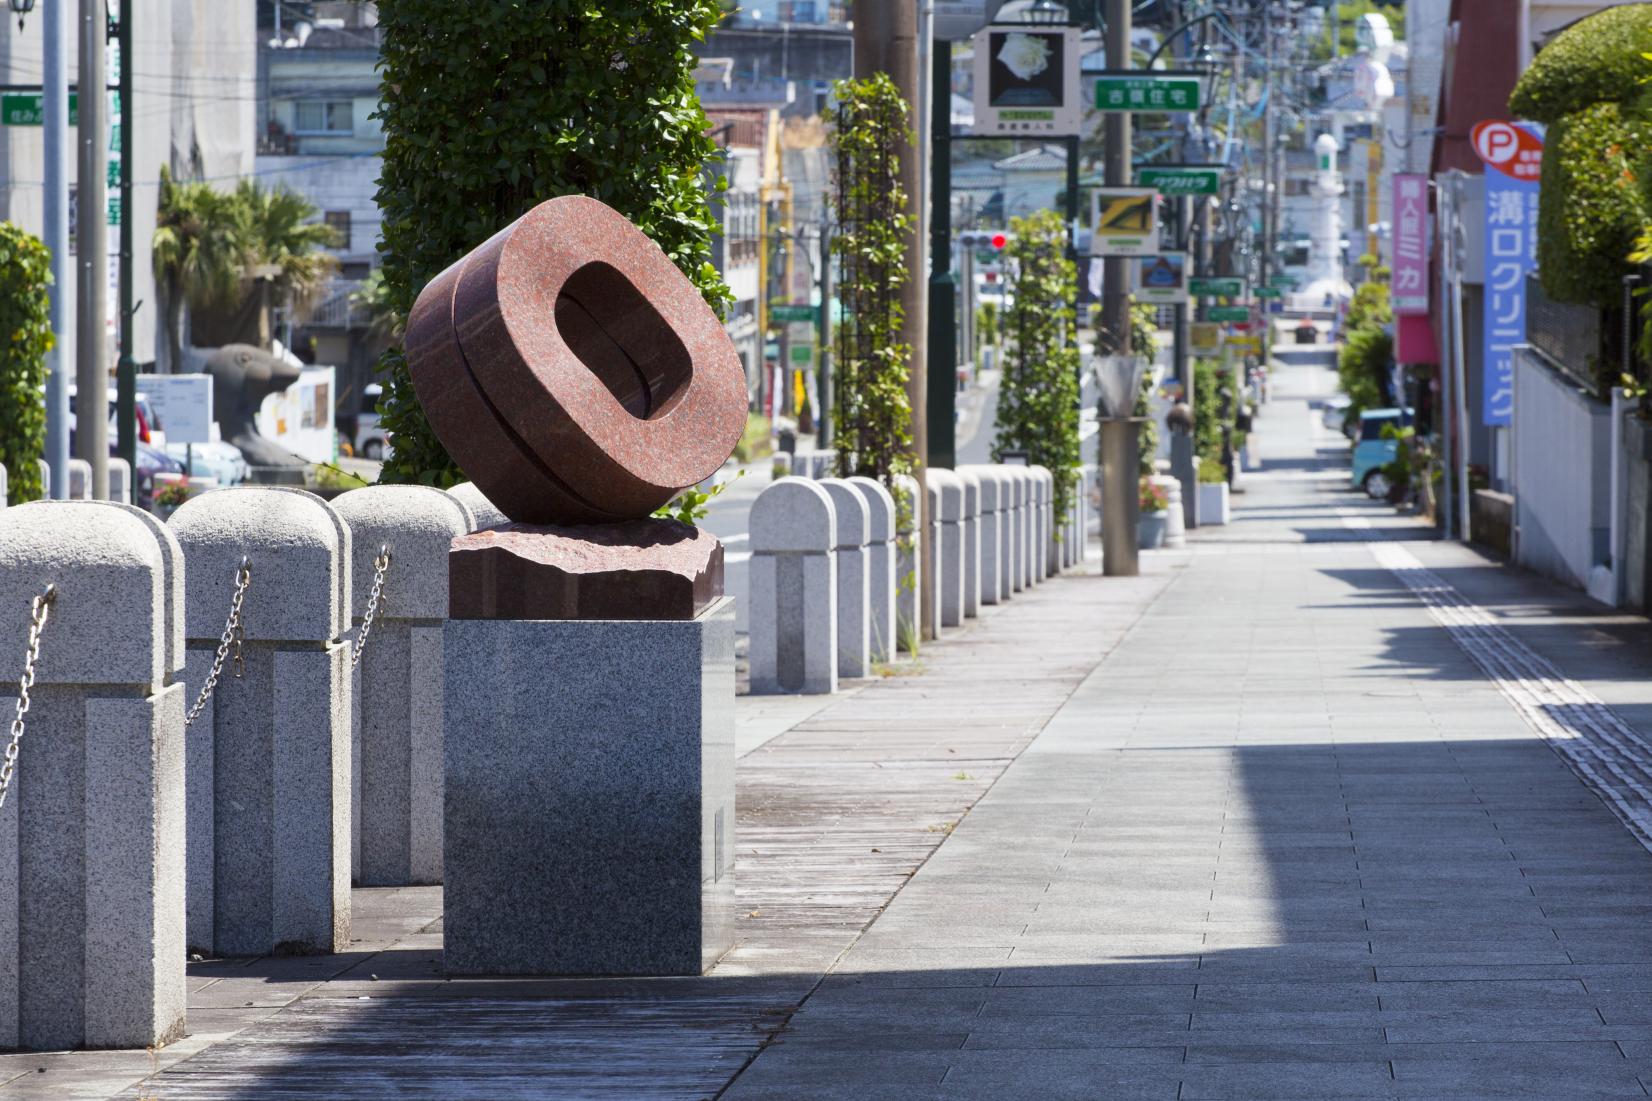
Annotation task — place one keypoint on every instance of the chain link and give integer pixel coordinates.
(381, 565)
(232, 638)
(39, 612)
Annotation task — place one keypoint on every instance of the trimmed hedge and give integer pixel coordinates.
(1597, 60)
(489, 109)
(1591, 208)
(25, 338)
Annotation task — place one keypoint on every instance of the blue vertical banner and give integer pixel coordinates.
(1513, 157)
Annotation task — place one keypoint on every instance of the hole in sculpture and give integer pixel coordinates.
(620, 338)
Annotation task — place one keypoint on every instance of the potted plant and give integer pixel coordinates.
(169, 496)
(1155, 520)
(1213, 492)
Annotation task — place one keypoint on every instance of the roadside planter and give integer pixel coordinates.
(1213, 503)
(1155, 515)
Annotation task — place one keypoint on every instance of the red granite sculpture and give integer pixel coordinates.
(573, 373)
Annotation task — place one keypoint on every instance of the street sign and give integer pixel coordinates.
(1026, 81)
(1181, 179)
(1227, 313)
(1245, 343)
(1162, 280)
(792, 311)
(1162, 91)
(1205, 338)
(29, 108)
(183, 403)
(1124, 221)
(1222, 286)
(1269, 292)
(802, 355)
(1513, 150)
(1289, 282)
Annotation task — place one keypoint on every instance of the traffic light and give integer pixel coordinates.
(995, 239)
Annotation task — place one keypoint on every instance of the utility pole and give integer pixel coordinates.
(1114, 338)
(126, 371)
(823, 344)
(91, 350)
(886, 41)
(61, 359)
(1269, 182)
(943, 289)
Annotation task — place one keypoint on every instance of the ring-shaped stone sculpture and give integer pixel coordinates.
(572, 372)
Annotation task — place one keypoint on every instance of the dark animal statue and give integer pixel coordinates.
(242, 377)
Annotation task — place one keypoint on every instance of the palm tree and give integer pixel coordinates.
(199, 253)
(281, 232)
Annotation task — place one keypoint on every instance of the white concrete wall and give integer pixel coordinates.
(1561, 476)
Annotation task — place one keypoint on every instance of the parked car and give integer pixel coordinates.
(1332, 412)
(219, 460)
(371, 441)
(1372, 451)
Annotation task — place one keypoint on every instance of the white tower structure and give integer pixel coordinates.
(1325, 283)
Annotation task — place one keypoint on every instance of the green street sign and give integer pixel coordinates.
(1181, 180)
(1270, 292)
(29, 109)
(793, 311)
(1286, 281)
(803, 354)
(1147, 93)
(1228, 313)
(1216, 287)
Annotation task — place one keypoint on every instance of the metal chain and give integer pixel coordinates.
(39, 612)
(381, 565)
(233, 636)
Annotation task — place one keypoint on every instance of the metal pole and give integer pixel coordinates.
(60, 360)
(1114, 337)
(1447, 415)
(1120, 505)
(91, 359)
(823, 383)
(126, 372)
(943, 288)
(1459, 355)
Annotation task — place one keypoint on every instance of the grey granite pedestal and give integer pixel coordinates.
(589, 810)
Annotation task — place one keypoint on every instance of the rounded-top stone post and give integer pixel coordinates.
(793, 580)
(269, 755)
(1044, 521)
(92, 834)
(853, 602)
(972, 541)
(909, 581)
(483, 512)
(992, 487)
(947, 492)
(396, 741)
(880, 566)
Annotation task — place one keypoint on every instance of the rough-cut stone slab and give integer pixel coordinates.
(572, 371)
(641, 569)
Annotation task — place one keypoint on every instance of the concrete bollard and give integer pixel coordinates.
(937, 563)
(80, 480)
(269, 754)
(909, 562)
(483, 512)
(1017, 528)
(991, 487)
(880, 567)
(92, 947)
(1175, 532)
(972, 542)
(793, 581)
(396, 694)
(1029, 528)
(854, 639)
(1046, 564)
(45, 476)
(825, 464)
(5, 487)
(946, 490)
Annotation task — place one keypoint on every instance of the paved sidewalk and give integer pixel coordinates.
(1297, 814)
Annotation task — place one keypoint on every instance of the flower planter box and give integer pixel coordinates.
(1213, 503)
(1150, 532)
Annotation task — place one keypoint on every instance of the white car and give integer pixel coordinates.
(1334, 412)
(371, 442)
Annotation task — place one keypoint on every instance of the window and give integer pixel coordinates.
(339, 220)
(323, 116)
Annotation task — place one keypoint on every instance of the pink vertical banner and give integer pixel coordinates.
(1410, 261)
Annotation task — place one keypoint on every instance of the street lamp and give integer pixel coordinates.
(22, 8)
(1047, 12)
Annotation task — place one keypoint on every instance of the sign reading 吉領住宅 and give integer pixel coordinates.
(1514, 158)
(1142, 92)
(792, 311)
(1124, 221)
(1270, 292)
(1181, 179)
(1228, 313)
(1410, 244)
(1026, 81)
(1162, 280)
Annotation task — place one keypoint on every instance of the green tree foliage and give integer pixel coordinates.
(1591, 207)
(1596, 60)
(489, 109)
(281, 231)
(1368, 350)
(1144, 341)
(871, 413)
(26, 332)
(1038, 398)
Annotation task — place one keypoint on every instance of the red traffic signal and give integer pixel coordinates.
(999, 241)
